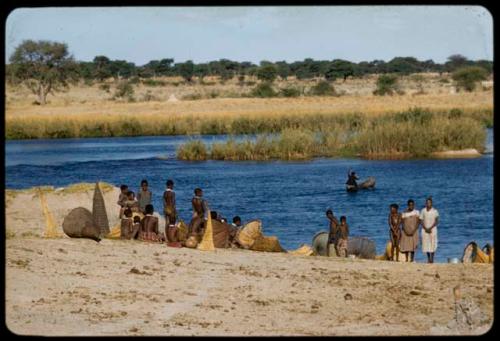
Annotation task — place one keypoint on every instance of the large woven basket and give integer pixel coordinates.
(267, 244)
(249, 233)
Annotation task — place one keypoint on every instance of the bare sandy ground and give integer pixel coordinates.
(69, 286)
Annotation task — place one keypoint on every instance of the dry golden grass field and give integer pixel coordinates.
(355, 96)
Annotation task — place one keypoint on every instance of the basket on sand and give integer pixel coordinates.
(473, 254)
(191, 242)
(303, 250)
(249, 233)
(207, 242)
(182, 231)
(267, 244)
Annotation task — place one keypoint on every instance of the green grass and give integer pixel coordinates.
(413, 133)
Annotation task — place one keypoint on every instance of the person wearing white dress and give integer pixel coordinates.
(429, 218)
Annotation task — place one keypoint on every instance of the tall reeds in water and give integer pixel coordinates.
(414, 133)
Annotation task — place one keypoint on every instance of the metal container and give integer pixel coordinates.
(453, 260)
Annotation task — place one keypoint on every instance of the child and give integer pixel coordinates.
(136, 230)
(126, 225)
(395, 222)
(236, 221)
(343, 237)
(122, 198)
(131, 202)
(144, 196)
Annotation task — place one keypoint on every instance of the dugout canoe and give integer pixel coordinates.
(361, 247)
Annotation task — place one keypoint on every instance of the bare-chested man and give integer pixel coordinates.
(200, 214)
(169, 210)
(343, 237)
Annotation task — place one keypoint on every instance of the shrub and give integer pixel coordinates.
(124, 90)
(467, 77)
(267, 73)
(191, 97)
(263, 90)
(386, 85)
(134, 80)
(153, 82)
(323, 88)
(104, 87)
(148, 96)
(290, 92)
(194, 150)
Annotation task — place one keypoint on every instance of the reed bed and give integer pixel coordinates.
(412, 133)
(83, 126)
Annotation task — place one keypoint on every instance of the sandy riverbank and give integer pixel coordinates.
(69, 286)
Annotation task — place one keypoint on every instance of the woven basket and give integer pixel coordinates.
(249, 233)
(267, 244)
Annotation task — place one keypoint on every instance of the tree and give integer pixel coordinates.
(201, 71)
(186, 70)
(339, 69)
(267, 73)
(283, 70)
(456, 61)
(101, 68)
(44, 67)
(467, 77)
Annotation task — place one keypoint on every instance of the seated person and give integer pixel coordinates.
(236, 221)
(149, 225)
(136, 228)
(126, 226)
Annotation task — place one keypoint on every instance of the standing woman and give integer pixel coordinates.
(429, 217)
(409, 236)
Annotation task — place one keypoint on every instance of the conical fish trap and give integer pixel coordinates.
(249, 233)
(50, 226)
(207, 243)
(99, 211)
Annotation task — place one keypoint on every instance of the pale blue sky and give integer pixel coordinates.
(355, 33)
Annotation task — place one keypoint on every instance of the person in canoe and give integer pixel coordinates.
(351, 180)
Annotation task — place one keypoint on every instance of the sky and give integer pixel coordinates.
(201, 34)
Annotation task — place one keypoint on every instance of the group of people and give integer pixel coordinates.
(138, 221)
(403, 231)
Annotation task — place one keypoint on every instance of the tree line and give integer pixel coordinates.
(44, 65)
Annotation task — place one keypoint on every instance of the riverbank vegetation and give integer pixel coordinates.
(413, 133)
(264, 120)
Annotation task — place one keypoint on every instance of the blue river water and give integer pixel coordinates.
(289, 197)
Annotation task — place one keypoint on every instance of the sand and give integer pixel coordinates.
(457, 154)
(69, 286)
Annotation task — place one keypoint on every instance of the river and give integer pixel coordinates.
(289, 197)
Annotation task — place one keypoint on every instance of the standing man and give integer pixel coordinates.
(169, 210)
(409, 236)
(429, 217)
(200, 214)
(334, 231)
(144, 196)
